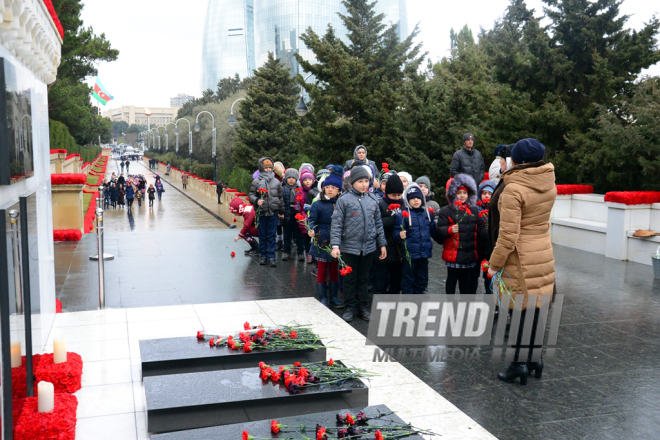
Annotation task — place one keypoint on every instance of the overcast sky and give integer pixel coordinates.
(160, 41)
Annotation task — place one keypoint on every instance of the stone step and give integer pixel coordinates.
(190, 355)
(261, 429)
(213, 398)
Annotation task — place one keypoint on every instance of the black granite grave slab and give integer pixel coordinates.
(213, 398)
(261, 429)
(189, 355)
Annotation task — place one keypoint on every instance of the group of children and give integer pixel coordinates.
(362, 225)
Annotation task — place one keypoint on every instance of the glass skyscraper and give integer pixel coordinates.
(228, 46)
(273, 26)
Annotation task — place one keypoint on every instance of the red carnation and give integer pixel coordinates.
(297, 364)
(331, 362)
(431, 210)
(385, 165)
(378, 436)
(300, 217)
(458, 203)
(275, 377)
(211, 342)
(284, 335)
(233, 254)
(263, 365)
(485, 265)
(200, 334)
(231, 344)
(246, 347)
(275, 426)
(405, 214)
(246, 325)
(293, 335)
(263, 190)
(320, 434)
(298, 190)
(299, 198)
(247, 436)
(479, 203)
(261, 332)
(393, 207)
(234, 220)
(349, 419)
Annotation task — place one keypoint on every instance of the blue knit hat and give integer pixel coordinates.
(415, 193)
(527, 150)
(335, 178)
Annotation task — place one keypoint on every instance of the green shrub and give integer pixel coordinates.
(239, 179)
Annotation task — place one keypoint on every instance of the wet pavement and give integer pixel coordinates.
(602, 383)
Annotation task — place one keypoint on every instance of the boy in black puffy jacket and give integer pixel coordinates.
(414, 229)
(460, 230)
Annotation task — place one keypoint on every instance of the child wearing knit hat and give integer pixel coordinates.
(290, 229)
(320, 219)
(387, 277)
(304, 202)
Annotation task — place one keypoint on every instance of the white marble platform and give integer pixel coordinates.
(112, 403)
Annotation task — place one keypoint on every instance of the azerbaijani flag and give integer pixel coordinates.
(100, 93)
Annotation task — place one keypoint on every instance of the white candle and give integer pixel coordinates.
(46, 400)
(16, 360)
(59, 351)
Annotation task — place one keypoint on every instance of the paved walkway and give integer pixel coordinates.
(603, 382)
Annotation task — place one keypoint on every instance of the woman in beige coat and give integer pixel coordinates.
(524, 247)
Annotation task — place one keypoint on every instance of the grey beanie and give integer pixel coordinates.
(359, 172)
(291, 172)
(425, 180)
(467, 136)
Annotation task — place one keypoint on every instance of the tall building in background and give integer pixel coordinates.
(228, 46)
(273, 26)
(180, 99)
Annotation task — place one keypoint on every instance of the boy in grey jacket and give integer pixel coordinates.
(266, 197)
(356, 234)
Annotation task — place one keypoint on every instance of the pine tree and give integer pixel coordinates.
(356, 92)
(269, 125)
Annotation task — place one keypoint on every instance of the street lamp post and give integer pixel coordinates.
(167, 135)
(302, 109)
(197, 129)
(155, 135)
(232, 120)
(176, 131)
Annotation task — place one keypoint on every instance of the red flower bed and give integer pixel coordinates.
(240, 194)
(68, 179)
(563, 190)
(58, 151)
(212, 183)
(633, 197)
(59, 424)
(66, 235)
(58, 306)
(53, 15)
(231, 190)
(65, 377)
(91, 214)
(72, 155)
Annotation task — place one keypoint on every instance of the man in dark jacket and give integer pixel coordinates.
(387, 277)
(468, 161)
(266, 196)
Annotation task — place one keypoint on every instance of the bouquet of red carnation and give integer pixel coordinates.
(406, 214)
(386, 167)
(485, 266)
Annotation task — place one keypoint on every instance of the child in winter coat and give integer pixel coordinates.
(266, 197)
(291, 190)
(249, 232)
(414, 228)
(356, 234)
(304, 202)
(459, 230)
(433, 206)
(486, 190)
(389, 271)
(320, 219)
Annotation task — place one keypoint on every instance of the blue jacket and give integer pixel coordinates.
(320, 219)
(130, 192)
(419, 230)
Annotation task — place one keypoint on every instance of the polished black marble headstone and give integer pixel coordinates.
(188, 355)
(213, 398)
(261, 429)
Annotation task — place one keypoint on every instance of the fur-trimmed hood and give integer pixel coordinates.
(466, 181)
(409, 188)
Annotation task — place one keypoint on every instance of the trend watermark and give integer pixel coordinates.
(464, 320)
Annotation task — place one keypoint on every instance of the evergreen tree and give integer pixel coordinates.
(69, 97)
(269, 125)
(622, 151)
(357, 86)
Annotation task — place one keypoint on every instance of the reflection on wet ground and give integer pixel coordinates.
(603, 382)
